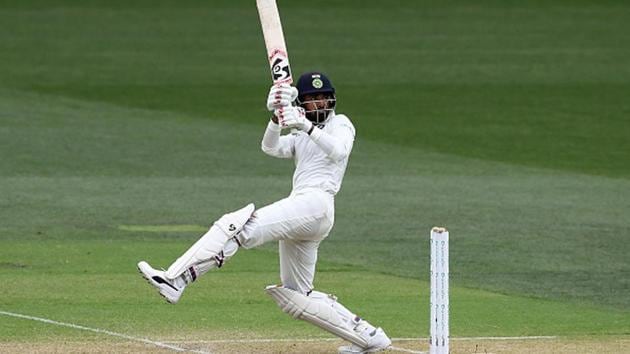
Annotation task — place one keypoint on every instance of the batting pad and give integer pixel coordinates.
(319, 312)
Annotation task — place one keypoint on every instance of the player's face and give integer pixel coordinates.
(317, 106)
(315, 102)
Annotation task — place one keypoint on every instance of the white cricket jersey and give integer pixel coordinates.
(321, 158)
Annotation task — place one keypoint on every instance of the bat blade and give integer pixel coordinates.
(274, 41)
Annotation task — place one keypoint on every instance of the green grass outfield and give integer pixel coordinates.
(126, 129)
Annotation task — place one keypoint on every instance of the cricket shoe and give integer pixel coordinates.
(171, 290)
(376, 338)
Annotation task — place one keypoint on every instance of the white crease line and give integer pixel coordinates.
(506, 338)
(259, 340)
(405, 350)
(102, 331)
(479, 338)
(274, 340)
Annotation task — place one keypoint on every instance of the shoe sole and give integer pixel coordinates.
(154, 286)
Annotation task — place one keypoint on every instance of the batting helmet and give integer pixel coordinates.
(314, 83)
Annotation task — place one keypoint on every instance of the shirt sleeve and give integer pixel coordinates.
(275, 145)
(337, 144)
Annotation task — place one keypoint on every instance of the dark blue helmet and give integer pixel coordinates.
(314, 83)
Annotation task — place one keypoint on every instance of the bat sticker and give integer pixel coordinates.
(280, 70)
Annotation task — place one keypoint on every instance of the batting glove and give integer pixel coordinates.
(293, 117)
(281, 95)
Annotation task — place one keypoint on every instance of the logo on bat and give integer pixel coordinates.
(280, 70)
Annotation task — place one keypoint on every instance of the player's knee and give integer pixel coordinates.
(247, 236)
(234, 222)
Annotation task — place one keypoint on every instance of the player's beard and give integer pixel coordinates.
(319, 115)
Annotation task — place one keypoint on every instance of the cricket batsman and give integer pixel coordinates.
(320, 146)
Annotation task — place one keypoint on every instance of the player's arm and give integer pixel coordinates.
(272, 143)
(275, 145)
(336, 145)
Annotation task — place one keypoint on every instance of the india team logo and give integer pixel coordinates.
(317, 83)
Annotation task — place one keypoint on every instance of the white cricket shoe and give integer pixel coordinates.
(377, 340)
(169, 289)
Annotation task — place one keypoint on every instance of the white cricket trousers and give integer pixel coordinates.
(299, 222)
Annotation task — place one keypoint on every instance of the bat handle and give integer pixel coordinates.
(294, 131)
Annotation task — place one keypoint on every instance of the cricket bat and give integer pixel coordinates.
(274, 41)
